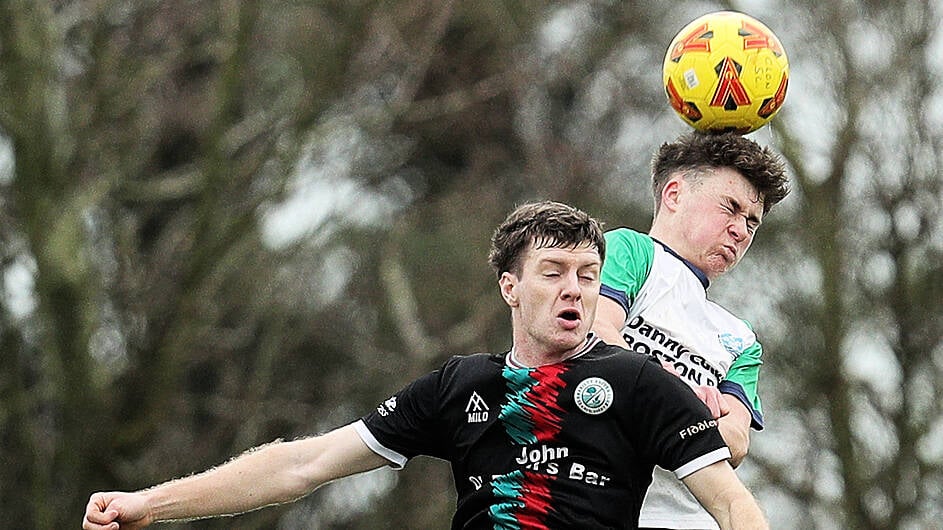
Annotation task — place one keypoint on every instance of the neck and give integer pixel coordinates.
(665, 236)
(528, 358)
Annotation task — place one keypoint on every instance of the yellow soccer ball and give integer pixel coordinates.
(726, 71)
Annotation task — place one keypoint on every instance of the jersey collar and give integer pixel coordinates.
(705, 281)
(591, 340)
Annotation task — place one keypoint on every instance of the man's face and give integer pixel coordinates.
(554, 298)
(717, 217)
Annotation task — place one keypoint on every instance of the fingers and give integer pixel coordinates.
(671, 369)
(710, 395)
(724, 405)
(712, 398)
(94, 521)
(98, 516)
(116, 510)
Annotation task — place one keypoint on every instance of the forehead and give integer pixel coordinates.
(581, 255)
(728, 182)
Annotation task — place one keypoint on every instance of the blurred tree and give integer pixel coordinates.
(146, 138)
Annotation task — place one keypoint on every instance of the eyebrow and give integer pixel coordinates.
(551, 261)
(737, 206)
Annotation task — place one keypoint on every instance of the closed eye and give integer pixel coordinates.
(732, 206)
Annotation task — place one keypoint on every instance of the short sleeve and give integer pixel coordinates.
(676, 430)
(629, 257)
(742, 381)
(408, 423)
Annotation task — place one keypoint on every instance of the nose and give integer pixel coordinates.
(738, 228)
(571, 287)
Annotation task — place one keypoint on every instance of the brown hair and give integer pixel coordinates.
(545, 224)
(695, 152)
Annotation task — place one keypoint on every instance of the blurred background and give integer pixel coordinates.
(224, 222)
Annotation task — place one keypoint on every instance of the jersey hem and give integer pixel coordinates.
(728, 387)
(703, 461)
(617, 296)
(397, 460)
(675, 523)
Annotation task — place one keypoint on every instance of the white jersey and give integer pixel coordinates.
(669, 315)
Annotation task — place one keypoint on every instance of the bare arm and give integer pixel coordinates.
(610, 318)
(271, 474)
(735, 428)
(722, 494)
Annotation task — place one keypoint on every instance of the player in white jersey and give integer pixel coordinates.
(711, 192)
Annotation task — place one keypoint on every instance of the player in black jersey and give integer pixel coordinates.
(562, 431)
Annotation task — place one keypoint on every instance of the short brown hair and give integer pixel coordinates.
(545, 224)
(697, 151)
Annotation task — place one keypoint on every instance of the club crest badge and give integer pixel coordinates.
(734, 345)
(593, 395)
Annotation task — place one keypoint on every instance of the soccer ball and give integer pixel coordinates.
(724, 72)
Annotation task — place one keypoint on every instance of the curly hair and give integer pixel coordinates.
(545, 224)
(697, 151)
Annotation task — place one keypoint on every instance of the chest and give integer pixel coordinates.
(672, 319)
(542, 420)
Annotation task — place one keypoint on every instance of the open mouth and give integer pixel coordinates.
(571, 315)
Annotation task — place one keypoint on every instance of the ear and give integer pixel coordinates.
(671, 193)
(508, 284)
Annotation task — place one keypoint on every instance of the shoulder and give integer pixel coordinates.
(618, 360)
(437, 388)
(475, 359)
(471, 365)
(629, 258)
(628, 237)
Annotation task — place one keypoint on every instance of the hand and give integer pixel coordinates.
(712, 397)
(116, 510)
(671, 369)
(735, 428)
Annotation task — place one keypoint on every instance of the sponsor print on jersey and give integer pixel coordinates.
(531, 413)
(387, 407)
(700, 426)
(476, 409)
(648, 339)
(523, 500)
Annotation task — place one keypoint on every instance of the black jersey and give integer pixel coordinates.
(566, 445)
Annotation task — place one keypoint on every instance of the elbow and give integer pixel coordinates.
(299, 474)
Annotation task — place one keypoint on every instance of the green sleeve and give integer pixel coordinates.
(742, 380)
(629, 256)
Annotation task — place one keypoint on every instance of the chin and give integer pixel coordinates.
(570, 343)
(718, 268)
